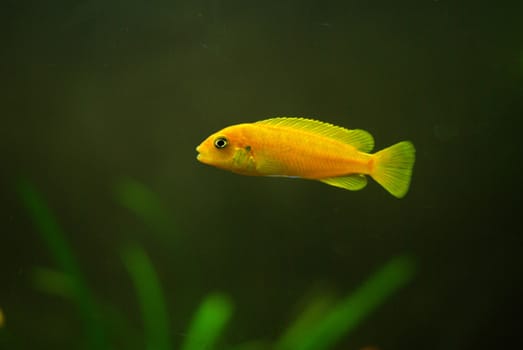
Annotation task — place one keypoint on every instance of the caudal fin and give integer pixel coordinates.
(393, 168)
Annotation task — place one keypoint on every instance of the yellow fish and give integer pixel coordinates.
(309, 149)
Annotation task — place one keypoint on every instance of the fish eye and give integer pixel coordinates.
(220, 142)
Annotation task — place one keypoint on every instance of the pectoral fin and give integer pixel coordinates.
(354, 182)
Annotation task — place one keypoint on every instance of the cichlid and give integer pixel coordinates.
(309, 149)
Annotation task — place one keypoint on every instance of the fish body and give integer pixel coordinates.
(309, 149)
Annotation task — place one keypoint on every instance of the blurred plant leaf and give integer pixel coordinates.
(350, 311)
(253, 345)
(123, 333)
(145, 204)
(53, 282)
(56, 243)
(59, 284)
(314, 312)
(150, 297)
(208, 322)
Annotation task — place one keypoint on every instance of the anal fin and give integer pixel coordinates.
(354, 182)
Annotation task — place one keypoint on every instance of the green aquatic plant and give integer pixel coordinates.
(144, 204)
(322, 323)
(150, 297)
(56, 243)
(314, 331)
(208, 322)
(53, 282)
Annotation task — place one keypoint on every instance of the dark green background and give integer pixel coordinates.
(97, 92)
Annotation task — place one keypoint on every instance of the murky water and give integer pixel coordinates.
(116, 237)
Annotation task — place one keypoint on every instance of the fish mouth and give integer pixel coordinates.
(199, 155)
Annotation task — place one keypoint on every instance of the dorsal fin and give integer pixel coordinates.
(360, 139)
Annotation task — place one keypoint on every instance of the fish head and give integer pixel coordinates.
(228, 149)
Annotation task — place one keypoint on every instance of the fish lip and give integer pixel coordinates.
(199, 155)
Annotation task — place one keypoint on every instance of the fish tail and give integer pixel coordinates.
(392, 168)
